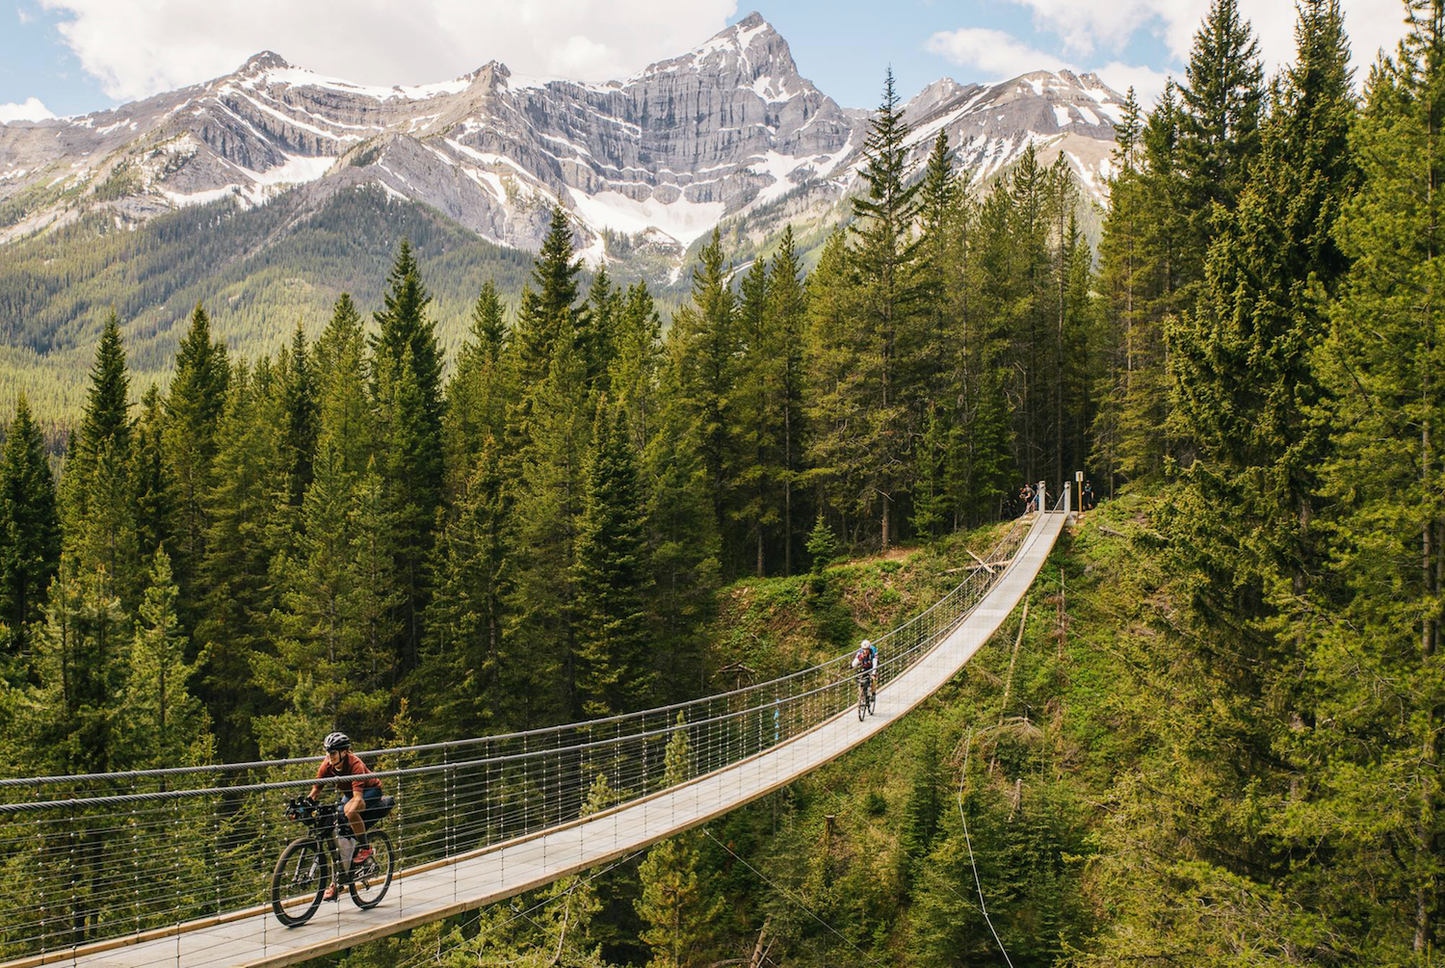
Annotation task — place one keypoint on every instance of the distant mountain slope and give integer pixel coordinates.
(660, 156)
(209, 192)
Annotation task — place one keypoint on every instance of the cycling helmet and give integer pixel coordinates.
(336, 741)
(866, 644)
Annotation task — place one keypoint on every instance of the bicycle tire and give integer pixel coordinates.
(309, 879)
(381, 847)
(872, 699)
(862, 702)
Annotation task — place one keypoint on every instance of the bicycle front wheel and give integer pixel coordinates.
(370, 880)
(872, 698)
(299, 880)
(862, 703)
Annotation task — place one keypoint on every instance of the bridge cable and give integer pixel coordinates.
(962, 779)
(790, 897)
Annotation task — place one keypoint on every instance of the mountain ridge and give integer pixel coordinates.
(659, 157)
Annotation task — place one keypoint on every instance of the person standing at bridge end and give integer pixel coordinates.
(360, 790)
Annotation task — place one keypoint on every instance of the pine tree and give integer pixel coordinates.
(153, 512)
(406, 386)
(756, 397)
(347, 420)
(682, 538)
(105, 421)
(596, 336)
(548, 307)
(923, 808)
(937, 257)
(193, 415)
(96, 509)
(616, 664)
(299, 392)
(883, 255)
(930, 489)
(160, 723)
(838, 387)
(705, 340)
(479, 391)
(1380, 491)
(252, 483)
(29, 538)
(541, 606)
(1223, 100)
(461, 667)
(67, 722)
(788, 311)
(634, 379)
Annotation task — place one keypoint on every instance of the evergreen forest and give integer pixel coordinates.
(1212, 737)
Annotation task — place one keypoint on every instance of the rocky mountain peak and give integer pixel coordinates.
(266, 60)
(750, 50)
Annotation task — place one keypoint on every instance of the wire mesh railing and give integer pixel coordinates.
(87, 858)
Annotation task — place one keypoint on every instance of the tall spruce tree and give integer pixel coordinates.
(153, 512)
(252, 481)
(406, 385)
(883, 254)
(616, 661)
(1223, 100)
(481, 388)
(787, 308)
(1384, 506)
(299, 392)
(548, 306)
(98, 516)
(757, 404)
(462, 667)
(193, 415)
(704, 333)
(160, 723)
(29, 538)
(541, 605)
(838, 388)
(639, 359)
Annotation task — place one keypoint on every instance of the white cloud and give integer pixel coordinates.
(999, 56)
(1147, 83)
(991, 52)
(136, 48)
(1088, 26)
(29, 110)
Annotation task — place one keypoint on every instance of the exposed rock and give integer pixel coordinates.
(662, 156)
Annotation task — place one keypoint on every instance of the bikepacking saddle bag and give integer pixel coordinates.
(378, 813)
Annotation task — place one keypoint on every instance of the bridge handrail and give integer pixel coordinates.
(159, 772)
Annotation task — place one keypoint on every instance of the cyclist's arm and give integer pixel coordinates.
(320, 775)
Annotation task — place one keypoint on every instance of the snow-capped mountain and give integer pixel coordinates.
(660, 157)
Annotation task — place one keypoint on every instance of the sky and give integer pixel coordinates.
(70, 57)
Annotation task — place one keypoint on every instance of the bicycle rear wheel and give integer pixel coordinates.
(370, 880)
(300, 878)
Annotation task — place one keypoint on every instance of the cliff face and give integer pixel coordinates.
(660, 157)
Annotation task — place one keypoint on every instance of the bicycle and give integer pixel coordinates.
(305, 867)
(867, 694)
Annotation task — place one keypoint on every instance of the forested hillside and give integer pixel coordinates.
(1216, 741)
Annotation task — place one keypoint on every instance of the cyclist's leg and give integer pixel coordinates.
(352, 807)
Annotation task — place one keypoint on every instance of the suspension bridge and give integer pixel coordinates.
(171, 867)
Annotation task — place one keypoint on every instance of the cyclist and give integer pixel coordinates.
(865, 660)
(361, 791)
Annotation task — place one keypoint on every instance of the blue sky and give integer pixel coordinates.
(76, 56)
